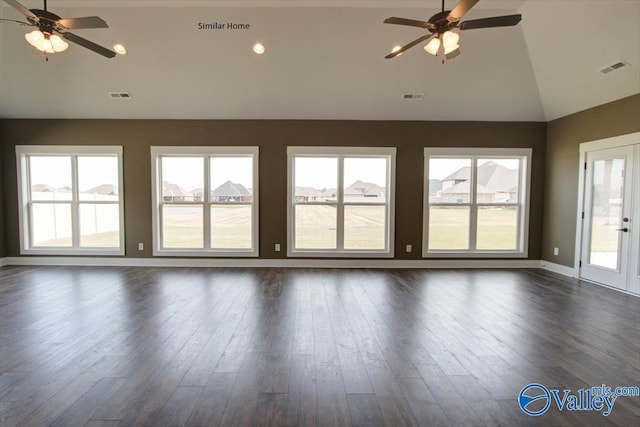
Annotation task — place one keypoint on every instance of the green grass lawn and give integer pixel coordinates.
(449, 228)
(316, 229)
(230, 228)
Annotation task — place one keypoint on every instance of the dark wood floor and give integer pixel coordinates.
(175, 346)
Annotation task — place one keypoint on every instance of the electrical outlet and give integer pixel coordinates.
(556, 251)
(277, 247)
(408, 248)
(141, 246)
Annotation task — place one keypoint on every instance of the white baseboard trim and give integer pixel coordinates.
(558, 268)
(3, 262)
(286, 263)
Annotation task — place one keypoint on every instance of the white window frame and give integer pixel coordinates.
(25, 202)
(157, 152)
(522, 237)
(341, 153)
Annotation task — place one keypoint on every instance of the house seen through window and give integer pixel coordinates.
(71, 199)
(341, 201)
(205, 200)
(477, 201)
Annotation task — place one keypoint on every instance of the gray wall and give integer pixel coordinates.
(564, 137)
(136, 136)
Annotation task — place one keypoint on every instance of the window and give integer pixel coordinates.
(341, 201)
(476, 202)
(205, 201)
(70, 200)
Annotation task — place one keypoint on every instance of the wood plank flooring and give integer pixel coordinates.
(132, 346)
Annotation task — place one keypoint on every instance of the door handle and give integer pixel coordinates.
(624, 230)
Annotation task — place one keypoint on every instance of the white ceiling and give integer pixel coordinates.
(324, 60)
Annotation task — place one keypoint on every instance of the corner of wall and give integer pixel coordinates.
(564, 136)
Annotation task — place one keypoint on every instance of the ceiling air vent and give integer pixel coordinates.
(613, 67)
(413, 96)
(119, 95)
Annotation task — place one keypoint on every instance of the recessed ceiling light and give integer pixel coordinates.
(120, 49)
(258, 48)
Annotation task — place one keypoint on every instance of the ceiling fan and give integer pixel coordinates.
(45, 39)
(441, 24)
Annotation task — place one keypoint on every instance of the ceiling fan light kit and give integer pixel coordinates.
(440, 28)
(449, 44)
(433, 46)
(46, 43)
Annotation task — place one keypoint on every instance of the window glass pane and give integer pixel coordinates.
(449, 227)
(497, 180)
(231, 180)
(182, 177)
(98, 178)
(182, 226)
(51, 224)
(316, 179)
(497, 228)
(364, 227)
(50, 177)
(365, 180)
(315, 227)
(449, 180)
(231, 227)
(99, 225)
(606, 212)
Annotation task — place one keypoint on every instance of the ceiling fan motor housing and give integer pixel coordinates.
(439, 23)
(48, 20)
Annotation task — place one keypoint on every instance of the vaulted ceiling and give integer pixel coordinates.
(323, 60)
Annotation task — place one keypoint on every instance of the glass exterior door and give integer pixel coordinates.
(607, 211)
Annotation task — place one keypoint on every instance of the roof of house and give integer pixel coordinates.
(231, 189)
(492, 177)
(461, 174)
(361, 188)
(106, 189)
(497, 177)
(308, 192)
(173, 190)
(42, 188)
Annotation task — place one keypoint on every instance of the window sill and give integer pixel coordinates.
(340, 254)
(475, 254)
(75, 252)
(194, 253)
